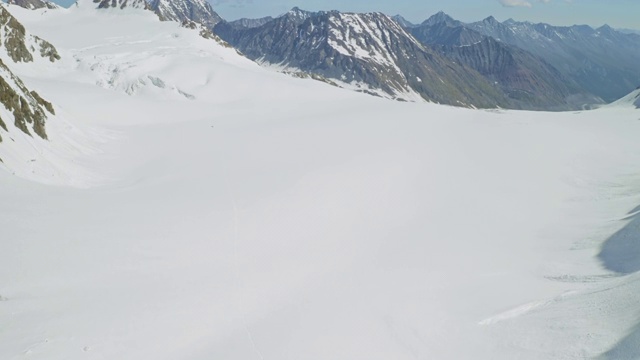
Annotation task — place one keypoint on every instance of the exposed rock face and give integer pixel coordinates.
(28, 109)
(199, 11)
(20, 46)
(603, 61)
(34, 4)
(528, 81)
(249, 23)
(135, 4)
(370, 49)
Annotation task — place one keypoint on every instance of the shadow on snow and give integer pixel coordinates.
(621, 254)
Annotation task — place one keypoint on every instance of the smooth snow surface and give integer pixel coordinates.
(267, 217)
(633, 99)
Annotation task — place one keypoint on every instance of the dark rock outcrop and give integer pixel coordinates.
(34, 4)
(602, 61)
(528, 81)
(368, 49)
(28, 108)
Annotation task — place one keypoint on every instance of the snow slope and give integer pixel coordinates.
(633, 99)
(267, 217)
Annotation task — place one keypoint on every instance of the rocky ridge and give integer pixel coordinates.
(602, 61)
(528, 80)
(27, 108)
(370, 50)
(34, 4)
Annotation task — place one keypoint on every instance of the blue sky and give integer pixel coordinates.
(617, 13)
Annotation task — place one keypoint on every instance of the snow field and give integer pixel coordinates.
(278, 218)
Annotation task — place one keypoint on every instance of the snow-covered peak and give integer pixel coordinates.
(199, 11)
(605, 27)
(491, 20)
(298, 14)
(365, 36)
(250, 23)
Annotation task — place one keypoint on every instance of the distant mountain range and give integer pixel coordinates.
(369, 50)
(603, 61)
(485, 64)
(488, 63)
(528, 66)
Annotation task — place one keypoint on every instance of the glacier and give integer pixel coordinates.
(269, 217)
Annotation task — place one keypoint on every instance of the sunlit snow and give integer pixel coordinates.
(269, 217)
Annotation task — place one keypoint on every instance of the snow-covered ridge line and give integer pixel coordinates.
(369, 49)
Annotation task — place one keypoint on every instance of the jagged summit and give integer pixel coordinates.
(199, 11)
(298, 14)
(442, 29)
(609, 31)
(439, 18)
(34, 4)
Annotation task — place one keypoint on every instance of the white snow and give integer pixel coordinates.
(278, 218)
(631, 100)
